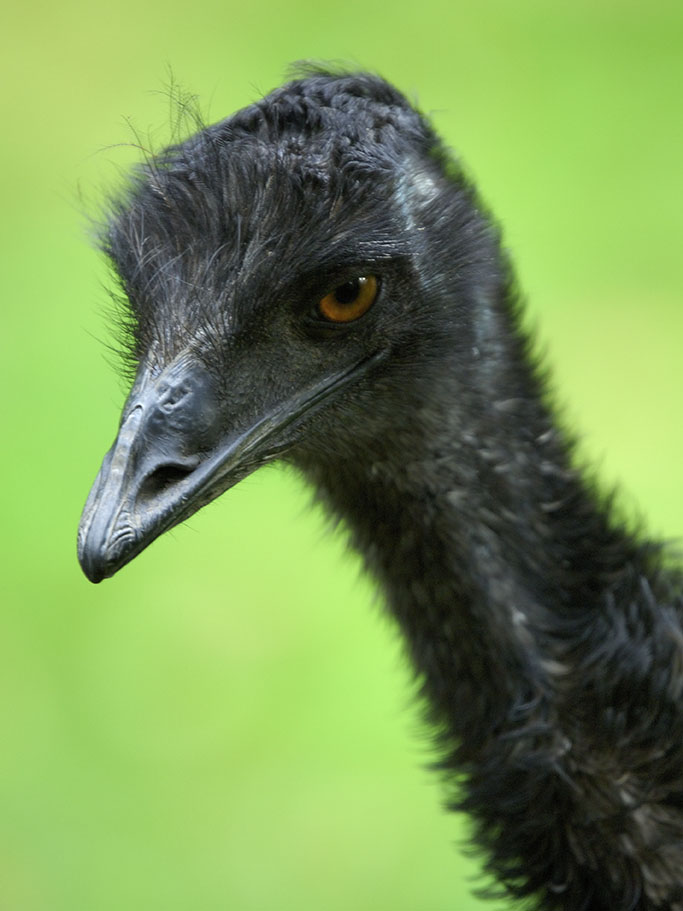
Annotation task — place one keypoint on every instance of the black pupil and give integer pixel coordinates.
(348, 292)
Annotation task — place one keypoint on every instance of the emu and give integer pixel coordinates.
(315, 279)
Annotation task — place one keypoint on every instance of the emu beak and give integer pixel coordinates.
(155, 473)
(177, 449)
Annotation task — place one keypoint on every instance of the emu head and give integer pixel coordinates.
(295, 275)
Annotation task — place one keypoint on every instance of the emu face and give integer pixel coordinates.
(275, 267)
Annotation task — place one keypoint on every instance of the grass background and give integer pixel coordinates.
(228, 724)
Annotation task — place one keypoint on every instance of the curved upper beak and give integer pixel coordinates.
(178, 448)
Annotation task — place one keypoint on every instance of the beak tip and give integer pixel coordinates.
(92, 574)
(92, 568)
(91, 557)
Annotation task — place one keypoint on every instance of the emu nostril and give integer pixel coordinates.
(162, 478)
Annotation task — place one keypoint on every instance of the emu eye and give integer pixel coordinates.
(349, 301)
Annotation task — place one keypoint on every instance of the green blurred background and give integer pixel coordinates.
(229, 723)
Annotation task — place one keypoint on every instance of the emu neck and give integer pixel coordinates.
(491, 554)
(527, 614)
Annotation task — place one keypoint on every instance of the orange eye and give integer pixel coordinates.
(350, 300)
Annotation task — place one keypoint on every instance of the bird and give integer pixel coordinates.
(316, 279)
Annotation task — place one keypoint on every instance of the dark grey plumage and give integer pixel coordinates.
(548, 640)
